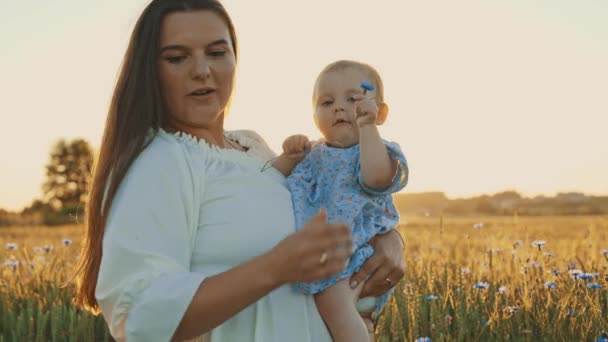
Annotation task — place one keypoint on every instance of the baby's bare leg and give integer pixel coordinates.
(337, 307)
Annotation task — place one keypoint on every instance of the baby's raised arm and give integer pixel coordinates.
(377, 167)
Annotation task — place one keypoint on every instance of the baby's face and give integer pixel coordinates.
(334, 107)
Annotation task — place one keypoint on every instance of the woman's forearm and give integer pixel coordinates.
(221, 296)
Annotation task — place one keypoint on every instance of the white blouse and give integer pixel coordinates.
(185, 211)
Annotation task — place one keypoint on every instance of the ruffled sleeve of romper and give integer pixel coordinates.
(303, 185)
(401, 176)
(145, 284)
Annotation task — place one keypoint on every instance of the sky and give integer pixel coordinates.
(484, 96)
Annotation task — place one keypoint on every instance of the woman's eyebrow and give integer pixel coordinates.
(185, 48)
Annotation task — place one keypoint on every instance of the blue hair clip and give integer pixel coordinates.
(367, 87)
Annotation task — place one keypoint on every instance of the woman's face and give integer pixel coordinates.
(196, 67)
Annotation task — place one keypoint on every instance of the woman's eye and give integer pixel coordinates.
(175, 59)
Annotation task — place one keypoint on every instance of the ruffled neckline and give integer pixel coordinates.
(253, 157)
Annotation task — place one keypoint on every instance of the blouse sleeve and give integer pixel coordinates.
(401, 177)
(145, 284)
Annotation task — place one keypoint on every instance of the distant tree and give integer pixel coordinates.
(67, 176)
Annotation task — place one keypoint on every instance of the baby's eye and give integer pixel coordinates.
(326, 103)
(217, 53)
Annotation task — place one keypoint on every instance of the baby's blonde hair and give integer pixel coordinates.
(366, 68)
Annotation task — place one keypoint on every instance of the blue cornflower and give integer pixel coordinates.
(603, 338)
(431, 298)
(66, 242)
(367, 86)
(594, 285)
(550, 285)
(423, 339)
(481, 285)
(11, 246)
(585, 276)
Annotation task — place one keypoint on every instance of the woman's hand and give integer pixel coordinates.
(385, 268)
(317, 251)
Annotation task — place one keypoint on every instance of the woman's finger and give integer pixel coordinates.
(369, 267)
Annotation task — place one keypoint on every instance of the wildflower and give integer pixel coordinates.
(548, 254)
(465, 270)
(594, 285)
(571, 313)
(448, 319)
(481, 285)
(605, 252)
(575, 273)
(11, 246)
(550, 285)
(431, 298)
(538, 243)
(518, 243)
(478, 225)
(503, 289)
(423, 339)
(533, 263)
(603, 338)
(66, 242)
(587, 276)
(555, 272)
(11, 264)
(511, 309)
(48, 248)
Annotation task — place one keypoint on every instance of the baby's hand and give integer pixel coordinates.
(296, 147)
(366, 110)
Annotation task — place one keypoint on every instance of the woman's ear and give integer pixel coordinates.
(382, 113)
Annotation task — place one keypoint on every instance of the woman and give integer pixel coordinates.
(185, 236)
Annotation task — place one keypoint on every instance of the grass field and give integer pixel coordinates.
(467, 279)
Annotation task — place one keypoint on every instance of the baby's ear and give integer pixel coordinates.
(382, 113)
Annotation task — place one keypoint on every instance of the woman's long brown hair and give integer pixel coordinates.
(136, 107)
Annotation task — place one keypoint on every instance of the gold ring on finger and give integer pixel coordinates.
(323, 258)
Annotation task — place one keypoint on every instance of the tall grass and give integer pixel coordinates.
(467, 279)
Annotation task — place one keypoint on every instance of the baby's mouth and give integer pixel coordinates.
(340, 122)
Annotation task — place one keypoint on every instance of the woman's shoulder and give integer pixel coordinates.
(246, 135)
(164, 154)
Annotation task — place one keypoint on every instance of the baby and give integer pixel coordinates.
(351, 174)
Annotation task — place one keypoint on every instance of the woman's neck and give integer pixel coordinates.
(212, 134)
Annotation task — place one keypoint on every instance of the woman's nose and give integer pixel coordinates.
(201, 69)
